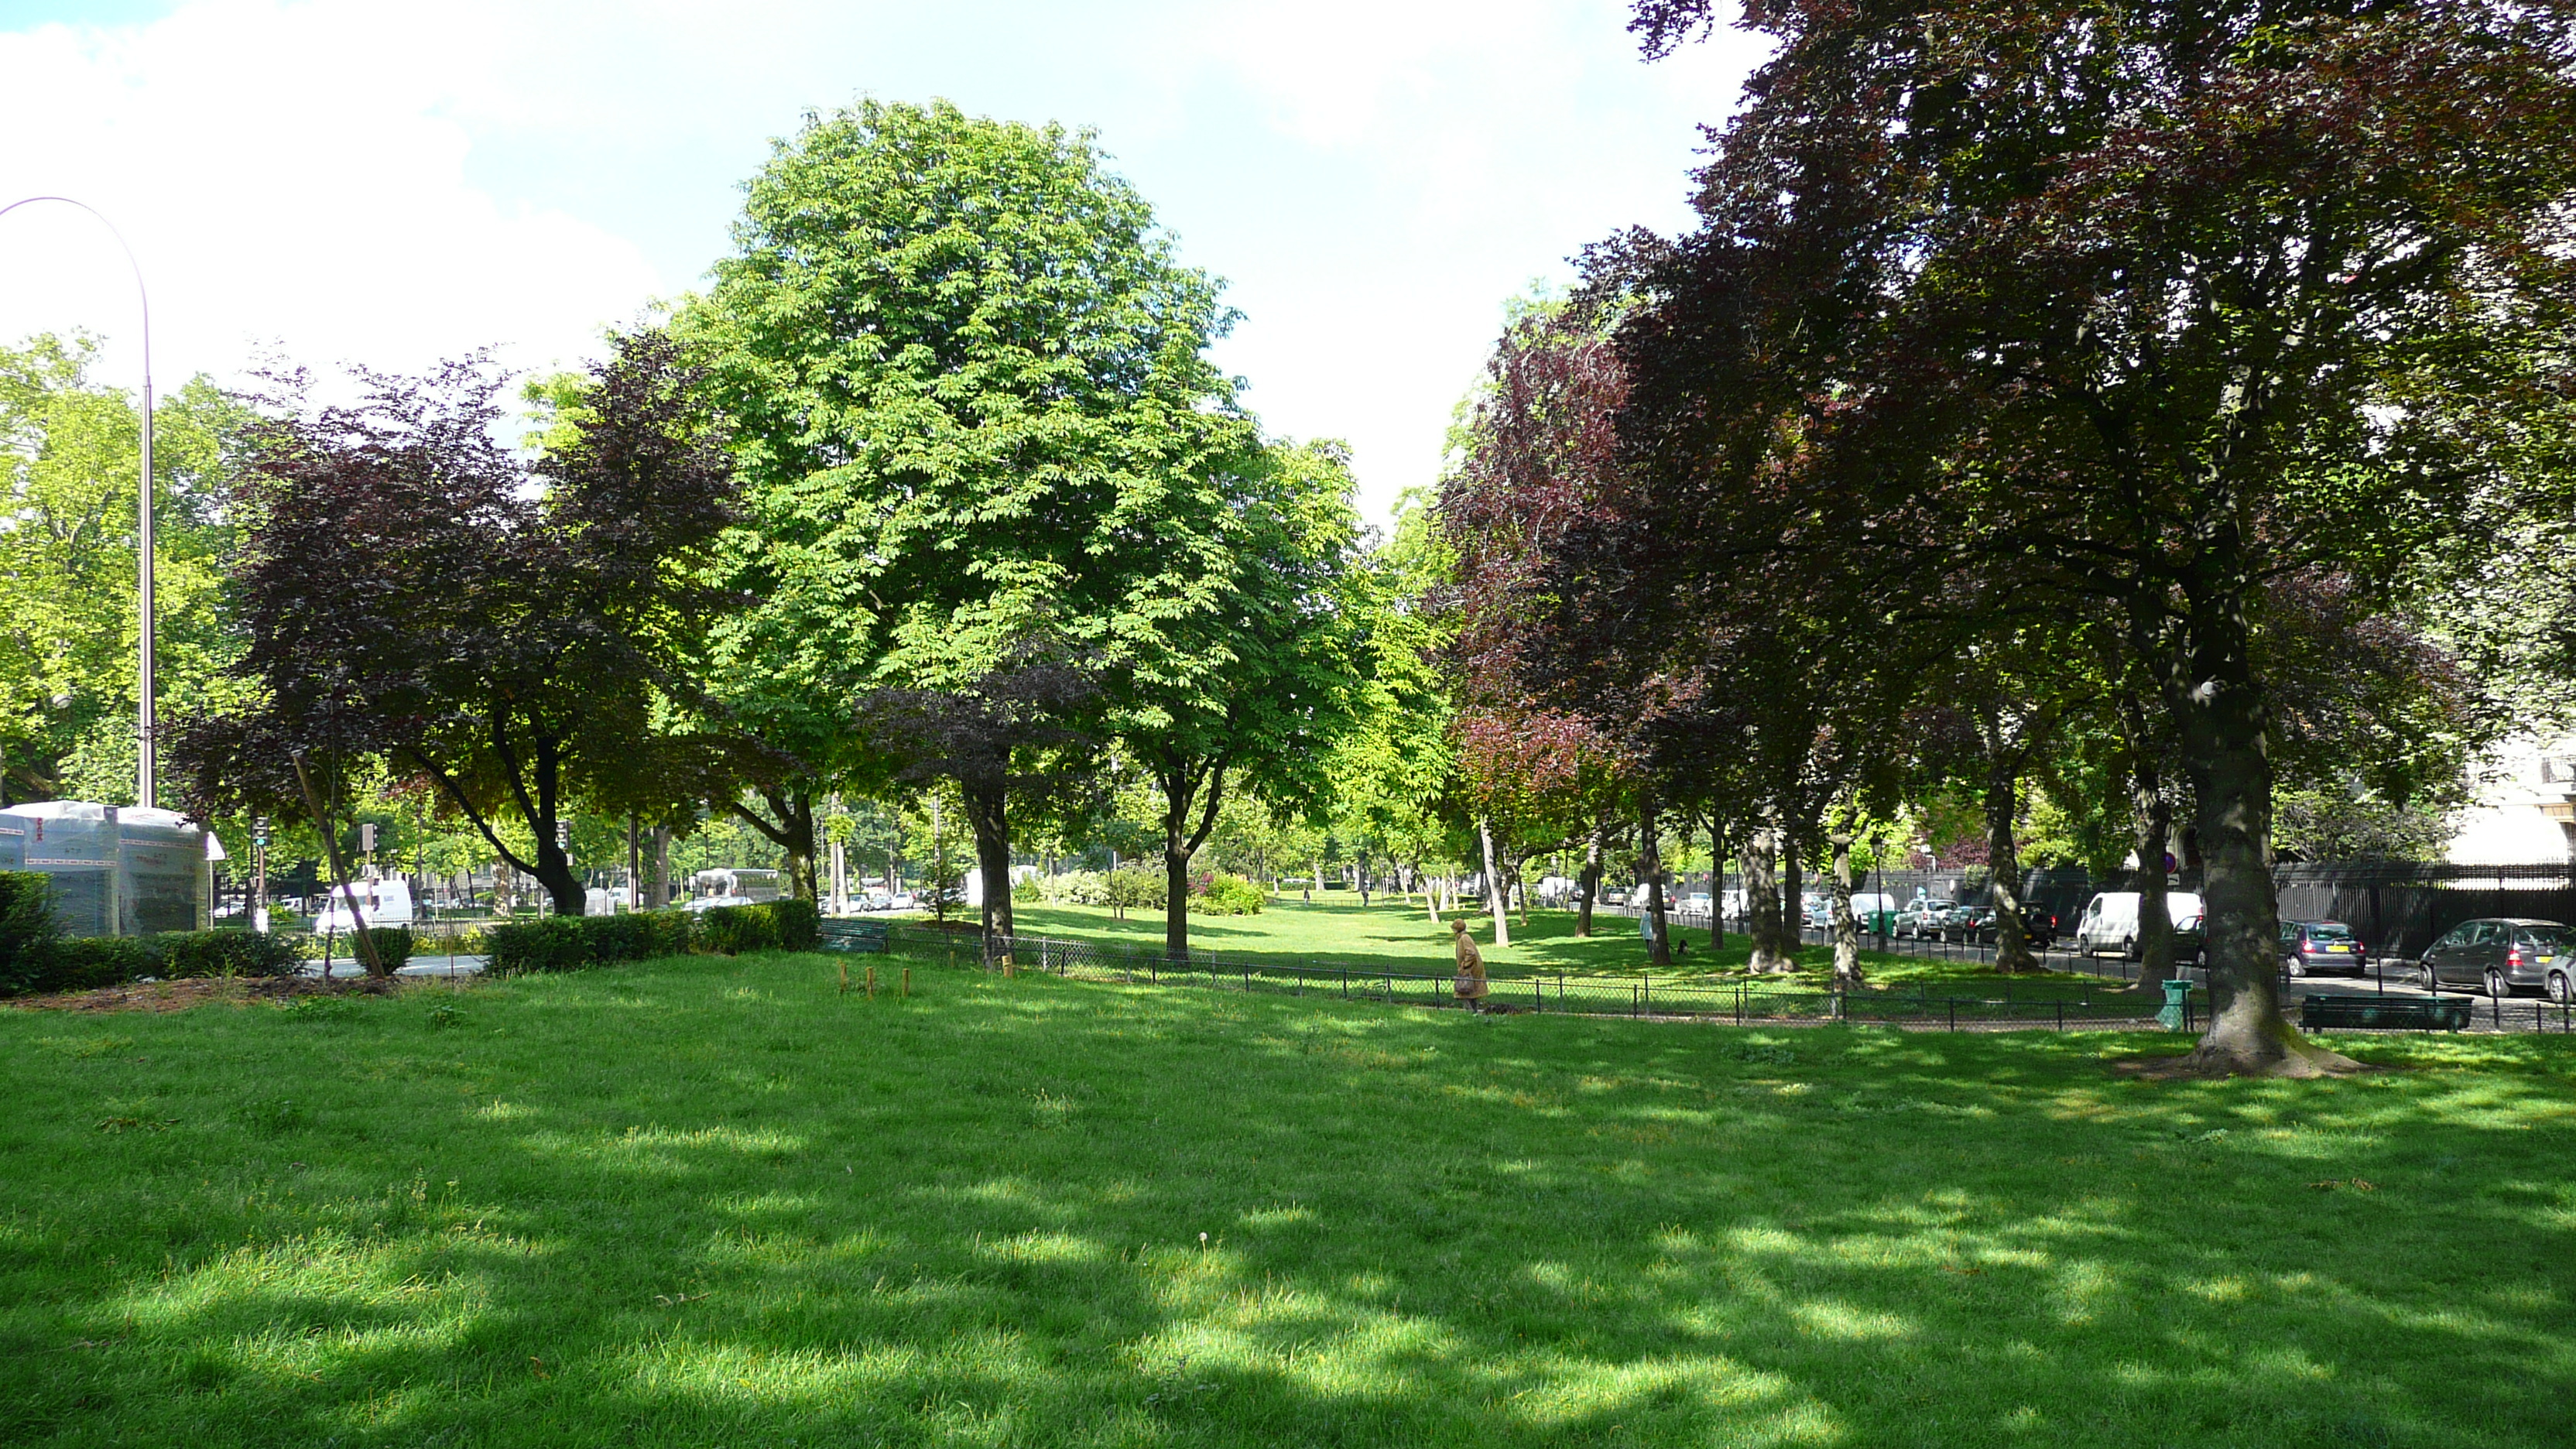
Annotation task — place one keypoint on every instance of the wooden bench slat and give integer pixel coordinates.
(2401, 1013)
(863, 936)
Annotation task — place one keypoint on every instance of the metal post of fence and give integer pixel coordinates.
(2061, 1013)
(1954, 1013)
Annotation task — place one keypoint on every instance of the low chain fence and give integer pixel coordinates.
(2487, 1012)
(2010, 1006)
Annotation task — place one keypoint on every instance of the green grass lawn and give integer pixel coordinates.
(1390, 936)
(714, 1202)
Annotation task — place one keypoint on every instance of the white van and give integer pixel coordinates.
(1874, 911)
(380, 903)
(2110, 923)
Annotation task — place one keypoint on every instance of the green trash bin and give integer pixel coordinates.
(2176, 993)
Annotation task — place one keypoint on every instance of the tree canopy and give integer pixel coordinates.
(2128, 312)
(507, 644)
(973, 411)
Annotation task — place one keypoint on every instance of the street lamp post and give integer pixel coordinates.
(145, 749)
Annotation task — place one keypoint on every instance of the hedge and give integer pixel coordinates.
(37, 958)
(27, 929)
(570, 943)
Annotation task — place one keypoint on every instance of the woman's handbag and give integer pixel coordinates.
(1467, 984)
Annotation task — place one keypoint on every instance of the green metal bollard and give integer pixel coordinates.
(2176, 992)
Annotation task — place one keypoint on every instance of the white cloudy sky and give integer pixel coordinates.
(386, 182)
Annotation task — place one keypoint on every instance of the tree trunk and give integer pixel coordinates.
(1846, 929)
(1793, 901)
(1762, 902)
(1497, 897)
(661, 864)
(2151, 821)
(364, 943)
(1181, 787)
(1650, 869)
(1176, 900)
(554, 863)
(1716, 887)
(2224, 733)
(792, 833)
(988, 814)
(2003, 862)
(1591, 884)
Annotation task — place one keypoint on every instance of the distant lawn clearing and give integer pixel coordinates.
(713, 1202)
(1390, 936)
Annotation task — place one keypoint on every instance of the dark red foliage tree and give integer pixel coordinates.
(1010, 741)
(1541, 459)
(508, 641)
(2120, 313)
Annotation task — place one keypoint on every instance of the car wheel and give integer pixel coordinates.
(2424, 976)
(2294, 966)
(2558, 990)
(2497, 985)
(2129, 949)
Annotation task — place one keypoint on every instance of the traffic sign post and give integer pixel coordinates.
(259, 875)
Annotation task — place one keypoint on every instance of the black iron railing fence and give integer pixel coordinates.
(2010, 1005)
(2005, 1005)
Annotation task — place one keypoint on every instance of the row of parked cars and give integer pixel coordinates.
(2498, 956)
(1943, 920)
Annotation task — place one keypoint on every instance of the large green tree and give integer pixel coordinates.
(68, 597)
(973, 411)
(1252, 693)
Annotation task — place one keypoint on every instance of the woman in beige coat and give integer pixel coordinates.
(1471, 986)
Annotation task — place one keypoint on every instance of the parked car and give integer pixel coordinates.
(2038, 927)
(380, 903)
(1924, 918)
(2308, 947)
(2110, 922)
(1694, 906)
(2501, 954)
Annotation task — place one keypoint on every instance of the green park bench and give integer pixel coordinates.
(867, 936)
(2383, 1013)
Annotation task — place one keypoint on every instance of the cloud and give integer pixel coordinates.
(278, 190)
(390, 181)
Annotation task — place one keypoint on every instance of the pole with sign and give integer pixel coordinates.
(259, 874)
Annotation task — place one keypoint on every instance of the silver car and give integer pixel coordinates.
(2501, 954)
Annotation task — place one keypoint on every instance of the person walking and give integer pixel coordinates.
(1471, 987)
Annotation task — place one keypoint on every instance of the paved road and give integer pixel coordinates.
(344, 969)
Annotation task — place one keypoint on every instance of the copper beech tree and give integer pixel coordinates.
(509, 642)
(2122, 313)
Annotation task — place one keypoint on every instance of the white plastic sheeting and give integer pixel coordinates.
(116, 872)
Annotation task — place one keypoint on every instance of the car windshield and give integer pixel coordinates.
(2328, 931)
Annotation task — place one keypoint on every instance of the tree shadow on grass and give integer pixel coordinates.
(744, 1208)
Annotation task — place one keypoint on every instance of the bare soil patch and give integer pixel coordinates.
(2191, 1066)
(203, 991)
